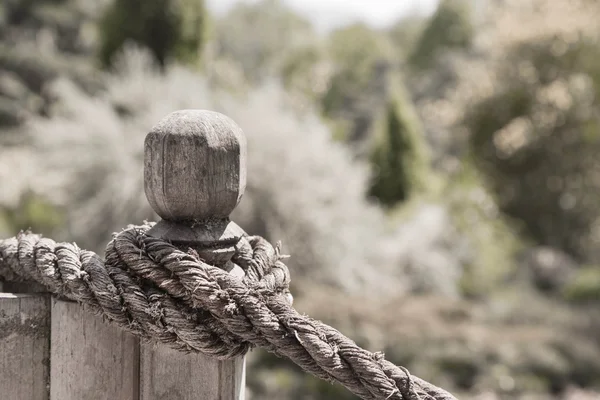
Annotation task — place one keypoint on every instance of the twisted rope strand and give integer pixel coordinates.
(159, 292)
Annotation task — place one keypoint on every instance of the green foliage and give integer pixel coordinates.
(192, 31)
(357, 53)
(536, 140)
(171, 29)
(584, 287)
(358, 85)
(300, 72)
(399, 157)
(493, 239)
(357, 45)
(449, 28)
(33, 213)
(405, 33)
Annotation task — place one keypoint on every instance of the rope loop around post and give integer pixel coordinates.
(164, 294)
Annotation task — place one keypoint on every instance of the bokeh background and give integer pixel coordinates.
(432, 168)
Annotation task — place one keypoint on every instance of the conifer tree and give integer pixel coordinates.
(399, 159)
(449, 28)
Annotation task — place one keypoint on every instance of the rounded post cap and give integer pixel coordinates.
(194, 166)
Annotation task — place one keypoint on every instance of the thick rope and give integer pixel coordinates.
(158, 292)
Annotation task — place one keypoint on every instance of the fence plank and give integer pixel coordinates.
(91, 359)
(24, 346)
(167, 374)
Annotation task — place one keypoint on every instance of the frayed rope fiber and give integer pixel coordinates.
(161, 293)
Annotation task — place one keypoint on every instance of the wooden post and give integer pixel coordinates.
(89, 358)
(24, 341)
(194, 177)
(24, 346)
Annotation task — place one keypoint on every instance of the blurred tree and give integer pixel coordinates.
(537, 140)
(258, 36)
(356, 51)
(404, 34)
(399, 157)
(171, 29)
(362, 65)
(305, 71)
(449, 28)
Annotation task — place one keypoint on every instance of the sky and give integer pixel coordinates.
(329, 14)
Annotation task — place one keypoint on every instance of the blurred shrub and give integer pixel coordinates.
(583, 357)
(399, 158)
(548, 269)
(39, 41)
(432, 252)
(492, 241)
(33, 212)
(358, 85)
(29, 66)
(305, 73)
(450, 27)
(26, 71)
(537, 137)
(584, 286)
(171, 29)
(355, 51)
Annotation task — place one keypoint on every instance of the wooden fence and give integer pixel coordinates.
(54, 349)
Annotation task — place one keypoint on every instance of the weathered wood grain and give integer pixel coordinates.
(195, 166)
(170, 375)
(24, 346)
(91, 359)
